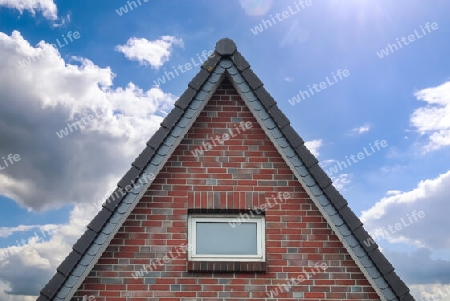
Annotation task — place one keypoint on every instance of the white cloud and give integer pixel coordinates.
(314, 146)
(433, 120)
(154, 53)
(341, 181)
(41, 99)
(256, 7)
(431, 197)
(8, 231)
(47, 7)
(82, 168)
(288, 79)
(360, 130)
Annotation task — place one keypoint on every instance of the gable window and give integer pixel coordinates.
(226, 238)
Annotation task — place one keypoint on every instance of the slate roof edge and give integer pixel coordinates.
(224, 48)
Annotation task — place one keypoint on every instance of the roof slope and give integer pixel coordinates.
(226, 62)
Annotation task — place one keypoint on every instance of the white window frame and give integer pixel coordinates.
(260, 237)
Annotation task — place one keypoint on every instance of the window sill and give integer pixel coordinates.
(226, 266)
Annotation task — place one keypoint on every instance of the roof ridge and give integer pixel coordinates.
(225, 50)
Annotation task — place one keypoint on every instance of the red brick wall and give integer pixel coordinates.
(241, 173)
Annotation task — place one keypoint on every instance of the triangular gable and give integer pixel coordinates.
(226, 62)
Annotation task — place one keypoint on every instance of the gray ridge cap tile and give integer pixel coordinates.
(196, 103)
(123, 208)
(250, 96)
(366, 261)
(163, 149)
(305, 154)
(190, 113)
(336, 198)
(302, 170)
(262, 114)
(71, 281)
(282, 142)
(359, 251)
(244, 87)
(256, 105)
(309, 181)
(316, 190)
(323, 201)
(208, 86)
(265, 98)
(351, 219)
(296, 161)
(373, 272)
(269, 123)
(214, 78)
(389, 294)
(278, 116)
(338, 221)
(170, 140)
(177, 131)
(183, 122)
(219, 70)
(86, 260)
(115, 218)
(289, 152)
(276, 133)
(63, 292)
(226, 63)
(381, 283)
(238, 79)
(157, 159)
(108, 228)
(78, 271)
(351, 240)
(102, 237)
(94, 249)
(343, 229)
(233, 71)
(330, 209)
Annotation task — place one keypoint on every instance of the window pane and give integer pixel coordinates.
(222, 239)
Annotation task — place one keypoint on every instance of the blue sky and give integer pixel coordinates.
(108, 70)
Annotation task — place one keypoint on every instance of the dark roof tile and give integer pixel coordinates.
(365, 240)
(172, 118)
(383, 264)
(42, 298)
(197, 82)
(158, 137)
(292, 136)
(350, 218)
(69, 263)
(85, 241)
(186, 98)
(129, 178)
(407, 297)
(280, 119)
(115, 198)
(398, 286)
(211, 62)
(240, 62)
(53, 285)
(225, 47)
(144, 158)
(305, 155)
(100, 220)
(253, 81)
(320, 176)
(265, 98)
(335, 197)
